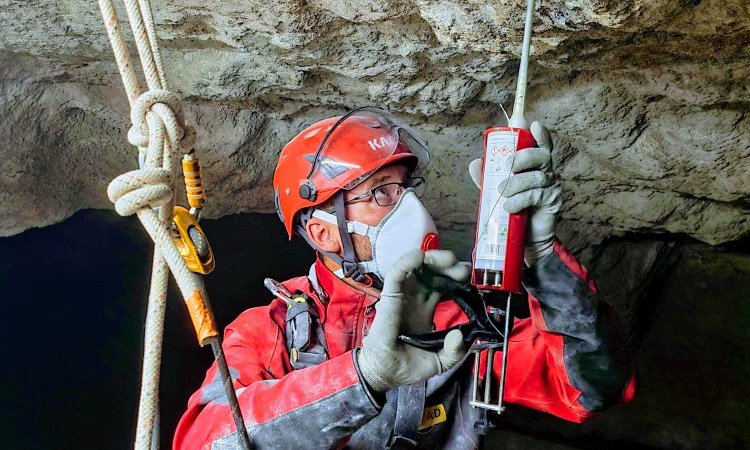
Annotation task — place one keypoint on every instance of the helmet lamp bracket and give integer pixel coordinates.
(307, 190)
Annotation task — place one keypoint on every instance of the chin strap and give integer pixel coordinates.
(349, 263)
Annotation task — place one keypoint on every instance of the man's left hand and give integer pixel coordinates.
(536, 188)
(407, 307)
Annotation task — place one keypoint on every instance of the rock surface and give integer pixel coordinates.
(648, 100)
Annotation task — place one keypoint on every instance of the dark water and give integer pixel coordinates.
(73, 300)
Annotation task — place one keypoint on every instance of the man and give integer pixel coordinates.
(322, 365)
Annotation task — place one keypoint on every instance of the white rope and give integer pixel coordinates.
(158, 131)
(122, 57)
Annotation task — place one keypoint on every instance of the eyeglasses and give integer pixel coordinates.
(389, 193)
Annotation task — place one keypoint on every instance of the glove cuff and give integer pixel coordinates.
(370, 373)
(538, 250)
(377, 398)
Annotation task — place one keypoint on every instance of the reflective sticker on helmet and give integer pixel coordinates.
(330, 168)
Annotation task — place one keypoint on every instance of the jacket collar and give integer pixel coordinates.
(342, 308)
(334, 289)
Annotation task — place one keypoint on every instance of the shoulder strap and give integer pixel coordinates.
(411, 399)
(305, 340)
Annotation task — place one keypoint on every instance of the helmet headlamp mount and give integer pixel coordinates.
(307, 190)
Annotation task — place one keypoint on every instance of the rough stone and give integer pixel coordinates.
(648, 100)
(684, 306)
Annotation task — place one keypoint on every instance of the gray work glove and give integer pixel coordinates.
(408, 307)
(537, 189)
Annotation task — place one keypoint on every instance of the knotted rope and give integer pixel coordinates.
(159, 131)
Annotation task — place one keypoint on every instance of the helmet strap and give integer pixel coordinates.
(349, 263)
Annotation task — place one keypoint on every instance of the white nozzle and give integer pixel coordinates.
(517, 120)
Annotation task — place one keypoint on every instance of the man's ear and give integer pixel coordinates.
(324, 235)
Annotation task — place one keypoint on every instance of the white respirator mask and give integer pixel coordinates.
(408, 226)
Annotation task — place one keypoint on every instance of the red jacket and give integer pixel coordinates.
(563, 359)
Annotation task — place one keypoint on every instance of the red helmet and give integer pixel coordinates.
(337, 154)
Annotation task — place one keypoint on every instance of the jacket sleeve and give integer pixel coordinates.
(569, 358)
(317, 407)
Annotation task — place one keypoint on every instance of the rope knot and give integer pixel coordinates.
(167, 106)
(144, 188)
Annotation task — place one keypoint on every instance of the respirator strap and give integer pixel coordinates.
(349, 262)
(352, 226)
(304, 217)
(350, 266)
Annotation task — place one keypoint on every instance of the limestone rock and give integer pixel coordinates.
(647, 100)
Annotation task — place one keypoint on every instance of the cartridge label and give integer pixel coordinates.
(493, 220)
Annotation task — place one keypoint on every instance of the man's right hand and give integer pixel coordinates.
(405, 307)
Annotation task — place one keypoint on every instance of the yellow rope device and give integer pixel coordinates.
(189, 237)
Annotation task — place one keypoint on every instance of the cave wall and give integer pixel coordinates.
(648, 100)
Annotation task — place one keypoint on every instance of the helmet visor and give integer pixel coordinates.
(361, 142)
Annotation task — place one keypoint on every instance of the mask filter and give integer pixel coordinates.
(407, 227)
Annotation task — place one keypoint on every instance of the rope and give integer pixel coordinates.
(159, 131)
